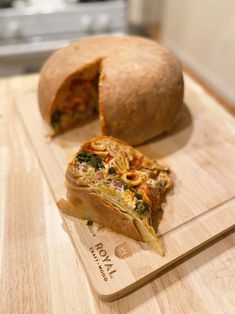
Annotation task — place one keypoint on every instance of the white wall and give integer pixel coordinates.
(202, 34)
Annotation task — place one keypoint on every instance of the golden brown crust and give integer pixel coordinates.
(90, 206)
(149, 92)
(140, 81)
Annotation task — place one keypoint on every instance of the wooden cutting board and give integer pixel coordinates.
(201, 152)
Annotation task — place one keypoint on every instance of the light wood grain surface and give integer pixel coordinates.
(200, 208)
(40, 272)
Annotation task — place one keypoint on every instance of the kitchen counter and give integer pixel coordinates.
(40, 272)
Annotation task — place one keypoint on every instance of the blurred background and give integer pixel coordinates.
(201, 33)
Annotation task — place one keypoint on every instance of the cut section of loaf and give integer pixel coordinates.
(114, 185)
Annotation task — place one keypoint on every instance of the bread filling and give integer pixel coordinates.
(123, 177)
(76, 102)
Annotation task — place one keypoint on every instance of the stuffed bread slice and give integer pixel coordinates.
(114, 185)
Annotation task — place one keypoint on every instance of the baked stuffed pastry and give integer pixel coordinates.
(121, 77)
(114, 185)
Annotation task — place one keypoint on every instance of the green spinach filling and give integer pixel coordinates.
(55, 118)
(91, 159)
(141, 208)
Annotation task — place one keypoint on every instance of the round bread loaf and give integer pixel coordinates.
(135, 84)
